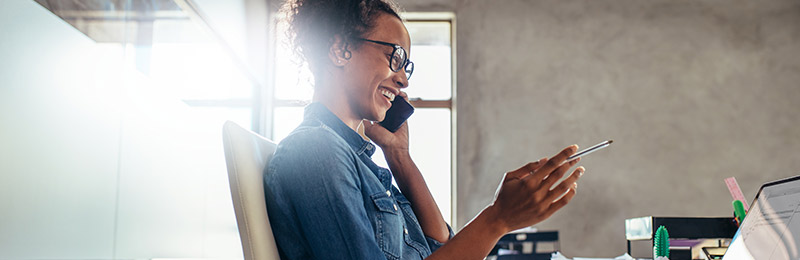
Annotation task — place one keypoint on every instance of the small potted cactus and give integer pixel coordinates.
(661, 244)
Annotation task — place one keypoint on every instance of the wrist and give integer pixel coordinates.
(492, 219)
(396, 152)
(398, 160)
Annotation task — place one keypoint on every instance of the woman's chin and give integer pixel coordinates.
(380, 118)
(380, 114)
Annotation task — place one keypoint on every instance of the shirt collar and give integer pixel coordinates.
(318, 111)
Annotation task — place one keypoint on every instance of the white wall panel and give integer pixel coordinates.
(72, 122)
(59, 135)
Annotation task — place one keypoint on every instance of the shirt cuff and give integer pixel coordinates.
(433, 244)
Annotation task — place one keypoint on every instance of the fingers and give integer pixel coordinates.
(557, 174)
(366, 123)
(526, 169)
(368, 127)
(371, 128)
(531, 167)
(565, 186)
(544, 192)
(552, 164)
(560, 203)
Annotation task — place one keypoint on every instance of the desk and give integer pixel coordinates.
(533, 240)
(679, 228)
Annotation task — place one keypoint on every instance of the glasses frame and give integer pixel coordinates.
(405, 64)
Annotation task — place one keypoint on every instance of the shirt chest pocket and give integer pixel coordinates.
(388, 220)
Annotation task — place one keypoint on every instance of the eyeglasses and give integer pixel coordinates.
(399, 58)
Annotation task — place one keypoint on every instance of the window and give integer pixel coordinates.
(430, 91)
(171, 46)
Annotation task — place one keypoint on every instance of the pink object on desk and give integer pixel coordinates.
(736, 192)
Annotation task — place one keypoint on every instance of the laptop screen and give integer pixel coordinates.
(771, 229)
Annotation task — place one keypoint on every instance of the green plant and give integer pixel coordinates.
(661, 242)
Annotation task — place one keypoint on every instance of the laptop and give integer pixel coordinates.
(771, 229)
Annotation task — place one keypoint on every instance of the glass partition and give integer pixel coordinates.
(111, 141)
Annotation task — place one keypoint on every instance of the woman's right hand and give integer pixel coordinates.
(525, 196)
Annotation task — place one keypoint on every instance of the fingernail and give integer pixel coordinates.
(581, 170)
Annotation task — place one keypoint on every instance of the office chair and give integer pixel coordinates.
(247, 154)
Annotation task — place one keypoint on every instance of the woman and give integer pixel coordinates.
(328, 200)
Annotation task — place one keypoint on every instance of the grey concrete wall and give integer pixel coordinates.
(692, 91)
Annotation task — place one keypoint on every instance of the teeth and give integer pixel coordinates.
(388, 94)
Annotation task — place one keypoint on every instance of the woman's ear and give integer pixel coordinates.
(338, 53)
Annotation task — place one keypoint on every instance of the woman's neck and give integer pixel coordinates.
(337, 103)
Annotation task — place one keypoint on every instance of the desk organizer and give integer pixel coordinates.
(684, 233)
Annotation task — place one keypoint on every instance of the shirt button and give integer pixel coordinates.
(395, 207)
(388, 193)
(405, 230)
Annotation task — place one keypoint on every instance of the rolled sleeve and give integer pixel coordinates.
(434, 244)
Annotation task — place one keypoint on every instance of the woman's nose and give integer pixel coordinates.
(400, 79)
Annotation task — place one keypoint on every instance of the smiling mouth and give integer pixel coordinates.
(388, 94)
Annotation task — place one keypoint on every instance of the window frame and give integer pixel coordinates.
(449, 103)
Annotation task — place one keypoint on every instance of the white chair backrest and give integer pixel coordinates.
(247, 154)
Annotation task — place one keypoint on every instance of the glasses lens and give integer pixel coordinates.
(398, 59)
(409, 69)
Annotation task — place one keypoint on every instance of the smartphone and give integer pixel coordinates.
(397, 114)
(590, 150)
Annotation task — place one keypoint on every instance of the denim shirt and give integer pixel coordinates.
(327, 199)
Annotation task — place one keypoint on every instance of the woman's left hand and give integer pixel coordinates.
(388, 141)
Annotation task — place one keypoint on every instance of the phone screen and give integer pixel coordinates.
(397, 114)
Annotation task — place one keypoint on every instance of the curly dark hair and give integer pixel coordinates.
(312, 24)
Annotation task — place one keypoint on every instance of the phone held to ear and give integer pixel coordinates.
(397, 114)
